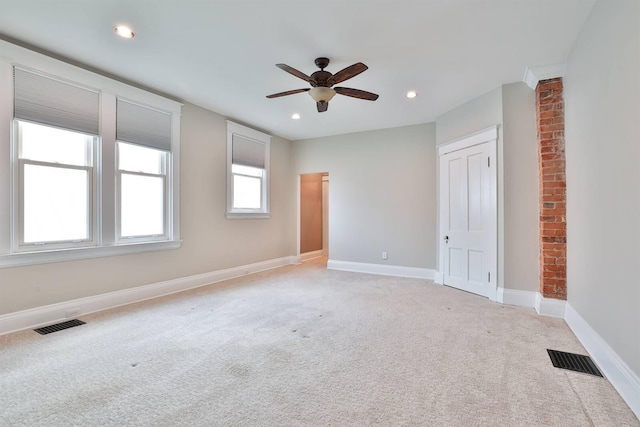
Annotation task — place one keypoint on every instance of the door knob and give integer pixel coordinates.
(446, 239)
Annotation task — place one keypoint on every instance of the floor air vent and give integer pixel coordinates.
(573, 362)
(59, 326)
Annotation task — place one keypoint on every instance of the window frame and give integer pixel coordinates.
(166, 161)
(105, 242)
(19, 244)
(264, 212)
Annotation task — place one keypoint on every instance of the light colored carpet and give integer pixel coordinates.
(303, 346)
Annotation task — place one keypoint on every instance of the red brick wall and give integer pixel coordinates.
(552, 188)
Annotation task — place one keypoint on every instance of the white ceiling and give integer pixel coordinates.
(221, 55)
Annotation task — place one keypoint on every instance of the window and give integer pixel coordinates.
(89, 166)
(55, 186)
(55, 129)
(142, 189)
(247, 172)
(144, 142)
(247, 187)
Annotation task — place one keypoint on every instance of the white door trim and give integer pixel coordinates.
(325, 178)
(482, 136)
(325, 215)
(490, 136)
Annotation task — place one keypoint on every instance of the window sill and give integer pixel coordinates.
(60, 255)
(248, 215)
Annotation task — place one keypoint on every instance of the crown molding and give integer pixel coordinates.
(533, 75)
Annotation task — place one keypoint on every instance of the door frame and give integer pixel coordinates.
(325, 215)
(488, 136)
(325, 251)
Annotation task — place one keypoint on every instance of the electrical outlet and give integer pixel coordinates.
(384, 254)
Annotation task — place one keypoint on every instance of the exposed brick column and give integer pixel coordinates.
(552, 189)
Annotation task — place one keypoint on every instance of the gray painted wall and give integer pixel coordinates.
(210, 241)
(512, 108)
(602, 108)
(383, 193)
(470, 117)
(520, 184)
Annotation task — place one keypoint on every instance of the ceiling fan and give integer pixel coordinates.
(322, 82)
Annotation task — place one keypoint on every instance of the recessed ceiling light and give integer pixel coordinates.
(295, 116)
(411, 94)
(124, 31)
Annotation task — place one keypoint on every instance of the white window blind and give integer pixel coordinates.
(247, 152)
(48, 101)
(142, 125)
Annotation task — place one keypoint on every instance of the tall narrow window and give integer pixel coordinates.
(56, 182)
(55, 125)
(143, 186)
(248, 172)
(144, 143)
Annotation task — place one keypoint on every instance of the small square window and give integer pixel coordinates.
(56, 204)
(247, 187)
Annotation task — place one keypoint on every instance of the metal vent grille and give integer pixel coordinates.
(59, 326)
(573, 362)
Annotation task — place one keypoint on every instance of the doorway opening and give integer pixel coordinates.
(314, 216)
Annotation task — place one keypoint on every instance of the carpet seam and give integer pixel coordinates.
(584, 409)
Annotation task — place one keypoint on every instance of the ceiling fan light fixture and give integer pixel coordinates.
(322, 94)
(322, 83)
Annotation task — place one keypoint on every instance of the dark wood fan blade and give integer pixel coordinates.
(347, 73)
(356, 93)
(294, 72)
(322, 106)
(289, 92)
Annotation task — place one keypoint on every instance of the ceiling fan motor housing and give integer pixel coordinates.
(320, 78)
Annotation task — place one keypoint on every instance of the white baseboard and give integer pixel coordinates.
(382, 269)
(54, 313)
(516, 297)
(310, 255)
(549, 306)
(438, 278)
(623, 379)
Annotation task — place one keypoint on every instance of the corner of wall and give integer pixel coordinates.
(550, 307)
